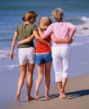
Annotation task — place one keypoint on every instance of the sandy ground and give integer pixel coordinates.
(77, 90)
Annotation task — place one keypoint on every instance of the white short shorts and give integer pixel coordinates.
(26, 55)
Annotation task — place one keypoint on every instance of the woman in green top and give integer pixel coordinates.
(26, 52)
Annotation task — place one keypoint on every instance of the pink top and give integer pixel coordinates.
(60, 30)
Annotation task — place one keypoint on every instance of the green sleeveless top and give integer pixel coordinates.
(24, 31)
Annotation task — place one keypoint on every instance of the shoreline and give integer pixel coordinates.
(77, 90)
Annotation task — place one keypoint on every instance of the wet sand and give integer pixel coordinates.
(77, 91)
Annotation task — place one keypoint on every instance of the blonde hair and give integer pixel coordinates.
(57, 14)
(29, 15)
(44, 22)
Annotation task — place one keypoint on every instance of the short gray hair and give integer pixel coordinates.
(57, 14)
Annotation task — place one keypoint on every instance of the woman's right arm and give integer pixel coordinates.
(13, 45)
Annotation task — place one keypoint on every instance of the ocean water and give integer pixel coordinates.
(12, 11)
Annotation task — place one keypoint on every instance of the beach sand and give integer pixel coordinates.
(77, 88)
(77, 91)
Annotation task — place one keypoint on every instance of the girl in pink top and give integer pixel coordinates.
(60, 51)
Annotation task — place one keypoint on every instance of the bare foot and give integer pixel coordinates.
(62, 94)
(47, 96)
(62, 97)
(17, 97)
(36, 95)
(29, 98)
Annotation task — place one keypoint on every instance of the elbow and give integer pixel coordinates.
(43, 36)
(74, 29)
(55, 39)
(37, 38)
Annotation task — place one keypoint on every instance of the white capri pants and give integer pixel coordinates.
(26, 55)
(61, 57)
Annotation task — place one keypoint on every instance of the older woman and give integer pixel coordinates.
(60, 51)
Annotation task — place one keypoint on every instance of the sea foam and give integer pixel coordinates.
(83, 28)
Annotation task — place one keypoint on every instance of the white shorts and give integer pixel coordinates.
(26, 55)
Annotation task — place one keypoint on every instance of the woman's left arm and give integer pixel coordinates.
(57, 40)
(26, 40)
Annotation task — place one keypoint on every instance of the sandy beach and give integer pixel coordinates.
(77, 91)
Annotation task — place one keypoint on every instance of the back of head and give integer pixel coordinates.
(57, 14)
(44, 22)
(28, 15)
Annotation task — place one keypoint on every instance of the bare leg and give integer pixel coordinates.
(47, 79)
(64, 81)
(39, 79)
(61, 89)
(30, 81)
(21, 80)
(65, 70)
